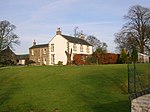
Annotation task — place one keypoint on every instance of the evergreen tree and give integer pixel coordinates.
(123, 56)
(134, 55)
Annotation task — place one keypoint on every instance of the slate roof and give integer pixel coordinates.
(7, 50)
(39, 46)
(69, 38)
(24, 56)
(76, 40)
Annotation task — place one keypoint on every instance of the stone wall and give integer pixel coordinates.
(141, 104)
(8, 55)
(39, 55)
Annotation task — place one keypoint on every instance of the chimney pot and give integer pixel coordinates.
(34, 43)
(58, 32)
(82, 36)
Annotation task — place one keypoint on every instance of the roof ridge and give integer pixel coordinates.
(39, 45)
(68, 36)
(76, 40)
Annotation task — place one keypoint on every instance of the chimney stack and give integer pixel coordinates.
(58, 32)
(82, 36)
(34, 43)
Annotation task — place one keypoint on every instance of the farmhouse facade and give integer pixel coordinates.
(39, 54)
(55, 51)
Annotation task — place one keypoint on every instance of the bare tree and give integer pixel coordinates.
(68, 57)
(7, 37)
(136, 31)
(76, 32)
(96, 43)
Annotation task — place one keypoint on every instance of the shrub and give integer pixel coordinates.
(123, 56)
(30, 62)
(80, 59)
(106, 58)
(7, 63)
(91, 60)
(60, 63)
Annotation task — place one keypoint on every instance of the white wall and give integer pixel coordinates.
(78, 49)
(60, 46)
(21, 62)
(84, 49)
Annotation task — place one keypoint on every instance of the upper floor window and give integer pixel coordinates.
(81, 48)
(87, 49)
(67, 46)
(39, 52)
(52, 47)
(32, 52)
(44, 51)
(74, 47)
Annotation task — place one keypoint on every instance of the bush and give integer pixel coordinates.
(60, 63)
(80, 59)
(7, 63)
(91, 60)
(30, 62)
(106, 58)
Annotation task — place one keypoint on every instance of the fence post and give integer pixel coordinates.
(134, 78)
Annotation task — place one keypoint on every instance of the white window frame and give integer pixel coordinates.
(52, 47)
(74, 47)
(81, 48)
(32, 52)
(87, 49)
(44, 51)
(44, 60)
(52, 58)
(39, 59)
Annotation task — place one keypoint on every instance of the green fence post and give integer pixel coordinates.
(128, 79)
(134, 78)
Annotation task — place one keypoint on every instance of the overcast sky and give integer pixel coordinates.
(39, 19)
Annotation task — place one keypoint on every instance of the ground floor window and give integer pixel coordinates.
(52, 58)
(39, 59)
(44, 60)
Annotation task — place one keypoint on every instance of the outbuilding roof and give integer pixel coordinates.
(23, 56)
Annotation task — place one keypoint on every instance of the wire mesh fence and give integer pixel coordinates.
(138, 79)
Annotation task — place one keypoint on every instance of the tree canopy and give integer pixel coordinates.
(7, 37)
(123, 56)
(97, 44)
(76, 32)
(136, 31)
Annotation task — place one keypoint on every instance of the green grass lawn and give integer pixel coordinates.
(95, 88)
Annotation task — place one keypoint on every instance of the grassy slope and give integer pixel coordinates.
(69, 88)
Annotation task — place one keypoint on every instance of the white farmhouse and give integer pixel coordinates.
(61, 43)
(54, 51)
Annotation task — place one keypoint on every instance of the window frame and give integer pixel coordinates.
(81, 48)
(52, 47)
